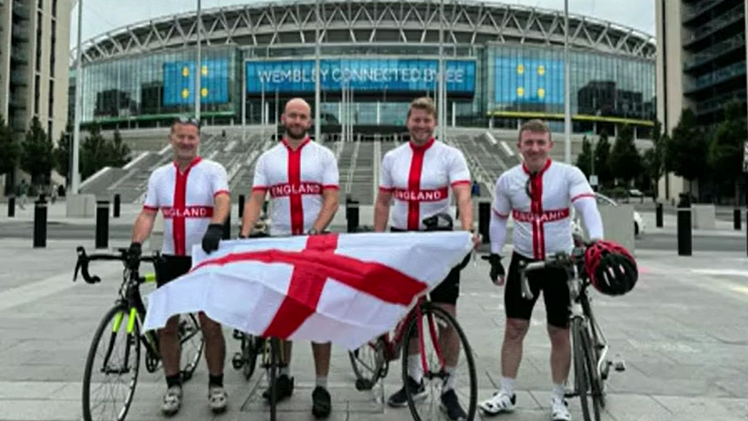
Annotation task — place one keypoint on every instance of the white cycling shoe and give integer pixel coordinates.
(172, 401)
(559, 410)
(501, 402)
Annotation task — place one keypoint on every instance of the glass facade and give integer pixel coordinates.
(507, 84)
(147, 87)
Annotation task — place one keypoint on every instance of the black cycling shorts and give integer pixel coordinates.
(170, 268)
(552, 282)
(448, 290)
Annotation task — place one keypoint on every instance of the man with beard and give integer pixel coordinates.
(418, 176)
(193, 195)
(302, 179)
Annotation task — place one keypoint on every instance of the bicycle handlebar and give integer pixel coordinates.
(84, 259)
(563, 260)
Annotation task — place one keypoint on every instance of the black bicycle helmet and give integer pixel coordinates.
(611, 268)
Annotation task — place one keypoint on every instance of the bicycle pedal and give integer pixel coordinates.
(237, 335)
(364, 384)
(620, 366)
(237, 361)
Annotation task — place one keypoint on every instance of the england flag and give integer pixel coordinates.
(341, 288)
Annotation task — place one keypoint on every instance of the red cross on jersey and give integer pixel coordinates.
(186, 200)
(542, 223)
(419, 178)
(295, 180)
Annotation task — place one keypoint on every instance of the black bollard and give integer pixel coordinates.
(116, 205)
(102, 224)
(658, 215)
(684, 231)
(736, 219)
(40, 223)
(227, 229)
(241, 206)
(11, 207)
(351, 215)
(484, 221)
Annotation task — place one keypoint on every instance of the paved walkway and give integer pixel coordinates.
(681, 333)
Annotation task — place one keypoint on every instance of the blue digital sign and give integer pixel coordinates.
(179, 82)
(360, 75)
(520, 80)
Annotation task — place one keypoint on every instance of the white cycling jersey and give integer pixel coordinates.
(542, 224)
(295, 181)
(186, 201)
(419, 178)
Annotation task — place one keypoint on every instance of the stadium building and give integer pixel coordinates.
(504, 65)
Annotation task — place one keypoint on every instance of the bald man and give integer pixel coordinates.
(303, 203)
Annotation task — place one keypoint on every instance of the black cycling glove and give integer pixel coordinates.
(133, 255)
(497, 269)
(212, 237)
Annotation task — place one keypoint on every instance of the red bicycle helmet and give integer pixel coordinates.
(611, 268)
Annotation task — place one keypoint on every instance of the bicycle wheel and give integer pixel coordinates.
(116, 328)
(369, 364)
(273, 370)
(191, 343)
(599, 376)
(251, 348)
(424, 407)
(584, 371)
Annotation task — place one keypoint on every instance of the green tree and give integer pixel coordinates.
(624, 160)
(63, 152)
(98, 152)
(726, 147)
(37, 154)
(687, 150)
(10, 147)
(602, 154)
(584, 158)
(653, 162)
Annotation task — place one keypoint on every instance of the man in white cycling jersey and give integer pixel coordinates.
(301, 177)
(418, 175)
(538, 195)
(192, 193)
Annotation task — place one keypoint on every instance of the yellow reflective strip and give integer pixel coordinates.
(131, 320)
(150, 277)
(117, 321)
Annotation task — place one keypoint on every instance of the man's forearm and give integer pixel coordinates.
(381, 215)
(325, 216)
(465, 205)
(143, 227)
(222, 209)
(251, 214)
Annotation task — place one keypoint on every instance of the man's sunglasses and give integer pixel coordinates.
(188, 120)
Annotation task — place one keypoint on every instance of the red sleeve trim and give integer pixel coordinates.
(150, 208)
(219, 192)
(583, 195)
(499, 214)
(386, 189)
(461, 182)
(330, 187)
(260, 189)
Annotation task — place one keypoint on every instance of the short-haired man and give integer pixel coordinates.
(302, 179)
(418, 176)
(193, 196)
(538, 193)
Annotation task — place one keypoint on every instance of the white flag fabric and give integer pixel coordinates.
(341, 288)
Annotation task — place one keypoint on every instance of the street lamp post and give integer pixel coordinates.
(74, 172)
(198, 66)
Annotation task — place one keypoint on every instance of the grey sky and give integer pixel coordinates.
(100, 16)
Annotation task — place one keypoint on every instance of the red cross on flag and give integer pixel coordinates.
(340, 288)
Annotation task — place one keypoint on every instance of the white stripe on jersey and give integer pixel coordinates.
(186, 201)
(419, 178)
(542, 224)
(295, 180)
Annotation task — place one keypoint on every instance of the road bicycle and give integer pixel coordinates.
(371, 361)
(271, 351)
(128, 311)
(590, 347)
